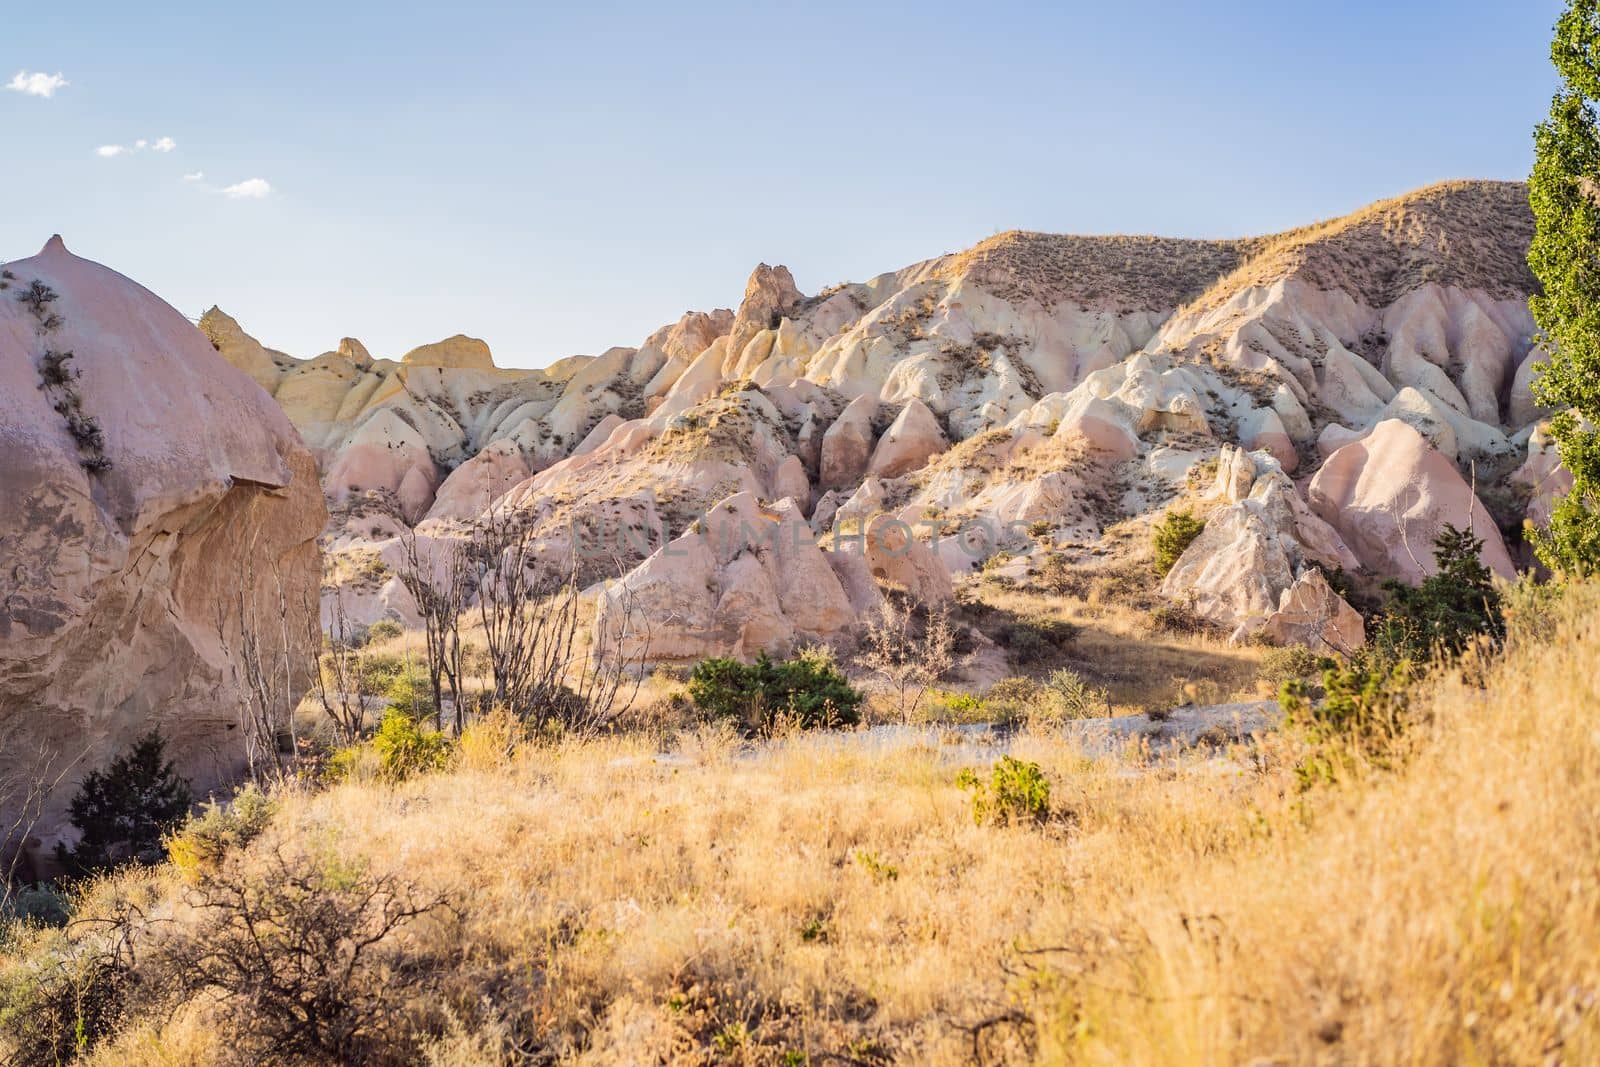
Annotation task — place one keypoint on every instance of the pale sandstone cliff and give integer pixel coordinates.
(147, 486)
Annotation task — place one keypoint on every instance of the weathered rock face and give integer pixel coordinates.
(1310, 613)
(1390, 494)
(1249, 564)
(747, 580)
(149, 486)
(1044, 388)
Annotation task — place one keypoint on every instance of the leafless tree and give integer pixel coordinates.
(258, 641)
(440, 582)
(32, 773)
(341, 682)
(531, 609)
(907, 662)
(299, 955)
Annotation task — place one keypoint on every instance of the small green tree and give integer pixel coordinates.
(405, 749)
(1564, 192)
(122, 812)
(1451, 607)
(809, 688)
(1176, 532)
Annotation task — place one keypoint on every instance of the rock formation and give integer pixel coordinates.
(152, 492)
(1027, 395)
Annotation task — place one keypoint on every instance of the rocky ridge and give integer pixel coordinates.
(1355, 380)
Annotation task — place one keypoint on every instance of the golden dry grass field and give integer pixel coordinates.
(823, 903)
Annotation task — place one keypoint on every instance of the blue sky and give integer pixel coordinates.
(559, 178)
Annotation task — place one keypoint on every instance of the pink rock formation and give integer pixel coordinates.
(1310, 613)
(911, 440)
(149, 486)
(1390, 494)
(847, 446)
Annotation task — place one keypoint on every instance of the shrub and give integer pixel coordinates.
(53, 369)
(39, 904)
(1016, 793)
(1011, 699)
(1452, 607)
(405, 749)
(1069, 695)
(411, 692)
(996, 561)
(905, 661)
(384, 630)
(296, 950)
(1176, 532)
(122, 813)
(218, 830)
(1058, 576)
(810, 689)
(1036, 637)
(1360, 719)
(1178, 619)
(379, 670)
(1294, 663)
(959, 708)
(66, 995)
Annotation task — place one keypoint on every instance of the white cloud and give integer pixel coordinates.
(107, 151)
(37, 84)
(140, 145)
(249, 189)
(164, 144)
(197, 176)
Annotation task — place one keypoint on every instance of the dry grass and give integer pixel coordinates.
(843, 907)
(1118, 647)
(1126, 273)
(1472, 234)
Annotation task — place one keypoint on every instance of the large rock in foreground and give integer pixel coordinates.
(149, 489)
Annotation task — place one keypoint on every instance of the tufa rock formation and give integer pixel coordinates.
(150, 489)
(1029, 395)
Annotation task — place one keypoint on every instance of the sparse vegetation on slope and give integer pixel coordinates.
(1128, 273)
(1471, 234)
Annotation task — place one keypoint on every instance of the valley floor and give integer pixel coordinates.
(831, 904)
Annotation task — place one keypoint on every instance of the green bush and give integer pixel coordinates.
(219, 829)
(1176, 532)
(1032, 638)
(405, 749)
(411, 692)
(1364, 712)
(39, 904)
(69, 991)
(384, 630)
(1291, 664)
(810, 689)
(123, 812)
(1016, 793)
(1069, 695)
(378, 670)
(1011, 699)
(1452, 607)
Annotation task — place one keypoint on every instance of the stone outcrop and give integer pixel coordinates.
(152, 490)
(748, 579)
(1040, 389)
(1390, 494)
(1310, 613)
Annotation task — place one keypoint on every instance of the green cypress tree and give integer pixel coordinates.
(122, 812)
(1564, 191)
